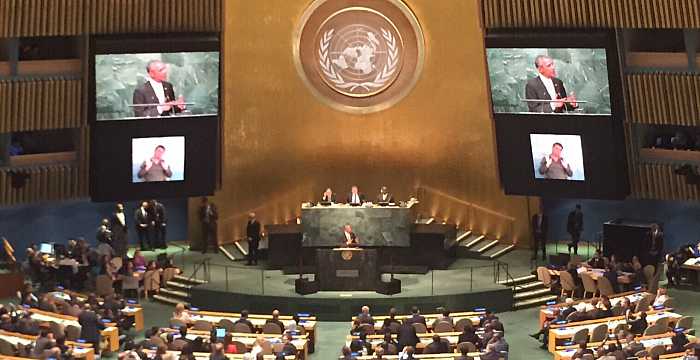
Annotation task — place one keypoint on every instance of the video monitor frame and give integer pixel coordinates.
(603, 152)
(129, 71)
(159, 158)
(557, 157)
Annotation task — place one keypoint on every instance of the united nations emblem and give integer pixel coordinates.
(346, 255)
(359, 55)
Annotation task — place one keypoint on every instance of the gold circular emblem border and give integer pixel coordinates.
(393, 26)
(410, 16)
(346, 255)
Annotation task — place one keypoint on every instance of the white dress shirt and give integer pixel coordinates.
(160, 92)
(549, 85)
(120, 217)
(355, 198)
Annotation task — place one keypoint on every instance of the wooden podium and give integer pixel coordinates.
(347, 269)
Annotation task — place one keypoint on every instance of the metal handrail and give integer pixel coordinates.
(204, 264)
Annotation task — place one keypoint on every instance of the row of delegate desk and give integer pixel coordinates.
(308, 322)
(80, 350)
(110, 332)
(566, 352)
(547, 311)
(300, 341)
(133, 310)
(473, 316)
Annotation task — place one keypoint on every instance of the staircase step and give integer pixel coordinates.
(472, 240)
(529, 286)
(186, 280)
(517, 280)
(530, 294)
(534, 302)
(169, 300)
(498, 250)
(242, 247)
(179, 285)
(463, 235)
(175, 293)
(489, 244)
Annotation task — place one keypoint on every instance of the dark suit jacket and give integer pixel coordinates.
(158, 213)
(146, 95)
(247, 322)
(117, 228)
(407, 336)
(141, 219)
(437, 348)
(417, 319)
(362, 198)
(542, 229)
(212, 218)
(252, 231)
(89, 326)
(535, 90)
(324, 198)
(574, 222)
(389, 198)
(353, 238)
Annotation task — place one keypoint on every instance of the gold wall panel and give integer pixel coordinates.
(657, 181)
(124, 16)
(591, 13)
(662, 98)
(281, 146)
(45, 183)
(20, 18)
(40, 104)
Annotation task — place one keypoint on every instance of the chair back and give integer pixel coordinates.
(130, 282)
(654, 330)
(685, 322)
(367, 329)
(588, 282)
(240, 347)
(203, 325)
(228, 325)
(443, 327)
(266, 348)
(57, 329)
(657, 350)
(178, 344)
(72, 333)
(544, 276)
(599, 333)
(648, 273)
(241, 328)
(463, 323)
(271, 328)
(277, 347)
(6, 348)
(617, 310)
(567, 281)
(104, 285)
(151, 280)
(177, 323)
(420, 328)
(621, 327)
(662, 322)
(587, 357)
(642, 304)
(169, 274)
(392, 350)
(581, 335)
(466, 345)
(605, 287)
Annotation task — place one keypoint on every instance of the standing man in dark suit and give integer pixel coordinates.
(159, 223)
(574, 226)
(354, 197)
(208, 216)
(90, 327)
(539, 233)
(656, 245)
(546, 86)
(252, 231)
(407, 336)
(157, 91)
(120, 238)
(143, 226)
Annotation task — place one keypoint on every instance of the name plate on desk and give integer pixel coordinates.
(347, 273)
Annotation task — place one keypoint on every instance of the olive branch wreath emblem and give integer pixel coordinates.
(382, 76)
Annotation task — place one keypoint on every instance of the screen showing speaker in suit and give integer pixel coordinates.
(158, 159)
(549, 80)
(557, 157)
(154, 85)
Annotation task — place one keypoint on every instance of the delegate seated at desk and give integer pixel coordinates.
(328, 196)
(354, 197)
(349, 237)
(384, 196)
